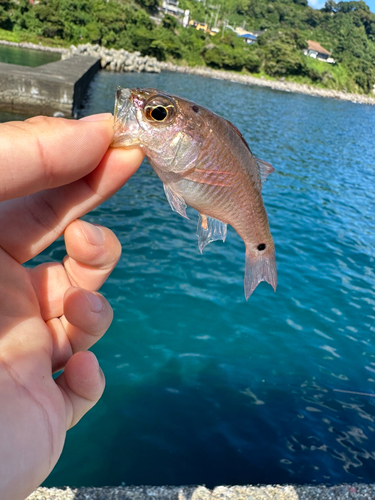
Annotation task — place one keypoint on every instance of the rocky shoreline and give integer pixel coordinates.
(273, 84)
(123, 61)
(33, 46)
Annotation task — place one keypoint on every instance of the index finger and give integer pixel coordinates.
(31, 223)
(42, 153)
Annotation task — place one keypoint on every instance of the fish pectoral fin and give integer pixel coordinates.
(265, 169)
(259, 268)
(181, 153)
(176, 201)
(208, 230)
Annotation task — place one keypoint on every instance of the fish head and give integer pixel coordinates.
(160, 123)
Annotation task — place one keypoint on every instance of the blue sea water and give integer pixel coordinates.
(202, 386)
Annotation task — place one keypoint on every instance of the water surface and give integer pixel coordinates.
(202, 386)
(26, 57)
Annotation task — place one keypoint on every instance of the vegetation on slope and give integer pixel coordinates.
(347, 29)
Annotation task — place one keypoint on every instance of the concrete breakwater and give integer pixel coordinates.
(117, 60)
(58, 88)
(110, 59)
(52, 89)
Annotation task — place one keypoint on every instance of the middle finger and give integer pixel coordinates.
(92, 253)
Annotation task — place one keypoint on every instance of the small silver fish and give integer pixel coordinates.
(204, 162)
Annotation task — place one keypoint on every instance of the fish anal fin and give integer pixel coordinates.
(208, 230)
(176, 202)
(265, 169)
(259, 268)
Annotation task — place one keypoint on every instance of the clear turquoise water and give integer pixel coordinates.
(203, 387)
(23, 57)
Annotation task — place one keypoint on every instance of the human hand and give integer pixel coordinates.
(53, 171)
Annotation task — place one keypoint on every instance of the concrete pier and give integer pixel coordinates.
(57, 87)
(353, 491)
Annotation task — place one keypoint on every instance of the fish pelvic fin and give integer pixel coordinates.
(176, 202)
(210, 229)
(259, 267)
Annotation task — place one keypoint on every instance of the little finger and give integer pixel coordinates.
(87, 316)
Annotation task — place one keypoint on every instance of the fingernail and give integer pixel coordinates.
(94, 235)
(101, 373)
(96, 304)
(101, 117)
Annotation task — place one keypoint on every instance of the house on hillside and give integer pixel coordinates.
(315, 50)
(171, 7)
(247, 36)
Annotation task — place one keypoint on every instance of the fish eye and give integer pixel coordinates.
(159, 113)
(160, 109)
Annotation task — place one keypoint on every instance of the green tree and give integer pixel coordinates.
(5, 20)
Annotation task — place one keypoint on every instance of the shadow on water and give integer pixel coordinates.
(207, 432)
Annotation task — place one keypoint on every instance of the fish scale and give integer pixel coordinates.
(203, 161)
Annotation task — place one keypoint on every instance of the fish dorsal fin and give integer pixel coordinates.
(239, 134)
(208, 230)
(265, 169)
(176, 201)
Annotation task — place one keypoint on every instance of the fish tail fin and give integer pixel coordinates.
(261, 267)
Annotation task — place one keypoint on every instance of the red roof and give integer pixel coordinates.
(317, 47)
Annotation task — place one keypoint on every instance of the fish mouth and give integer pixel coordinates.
(127, 128)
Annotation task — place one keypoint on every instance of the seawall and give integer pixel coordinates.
(56, 88)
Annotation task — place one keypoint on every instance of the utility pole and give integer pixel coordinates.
(217, 13)
(217, 8)
(224, 26)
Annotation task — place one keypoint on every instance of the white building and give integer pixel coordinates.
(315, 50)
(172, 9)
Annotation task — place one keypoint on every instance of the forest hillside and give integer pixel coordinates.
(345, 29)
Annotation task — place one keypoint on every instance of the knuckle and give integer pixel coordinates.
(42, 125)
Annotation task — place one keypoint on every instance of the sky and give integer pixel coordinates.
(318, 4)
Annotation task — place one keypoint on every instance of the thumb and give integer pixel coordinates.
(42, 152)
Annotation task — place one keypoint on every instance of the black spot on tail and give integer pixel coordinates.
(261, 246)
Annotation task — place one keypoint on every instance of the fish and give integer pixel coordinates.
(204, 162)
